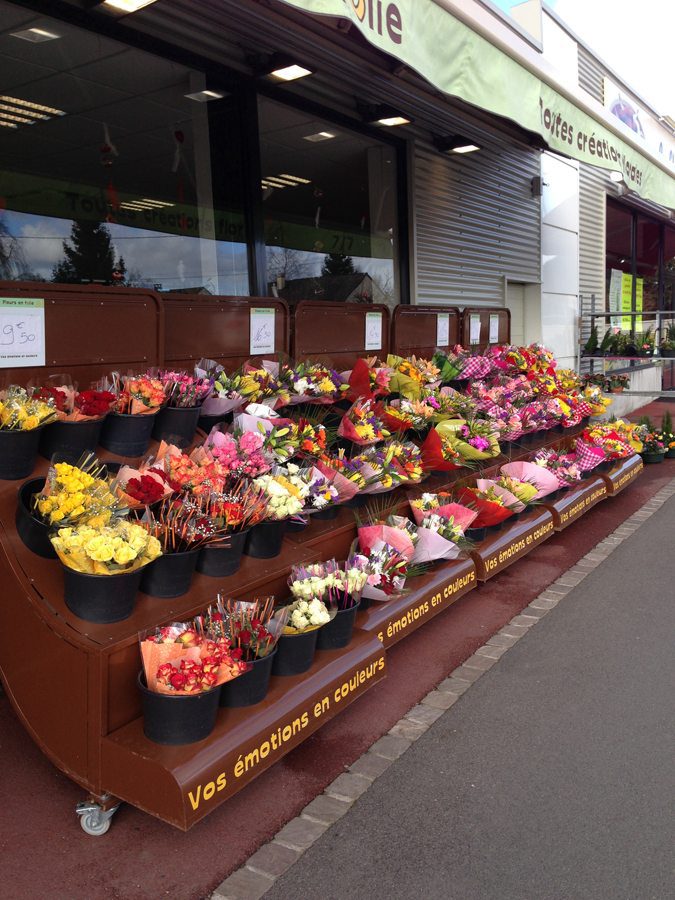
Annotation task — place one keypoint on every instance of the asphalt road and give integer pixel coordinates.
(551, 779)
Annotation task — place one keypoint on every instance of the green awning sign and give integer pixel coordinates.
(462, 63)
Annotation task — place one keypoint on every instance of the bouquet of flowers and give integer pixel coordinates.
(236, 508)
(310, 438)
(387, 572)
(490, 505)
(225, 396)
(652, 440)
(184, 391)
(442, 504)
(449, 365)
(376, 528)
(525, 491)
(338, 586)
(401, 415)
(177, 659)
(361, 424)
(474, 439)
(616, 440)
(386, 467)
(137, 395)
(322, 492)
(527, 472)
(440, 454)
(409, 376)
(252, 628)
(563, 466)
(239, 453)
(78, 493)
(316, 383)
(263, 385)
(182, 472)
(285, 490)
(181, 526)
(345, 478)
(142, 486)
(306, 615)
(438, 538)
(367, 381)
(105, 550)
(19, 412)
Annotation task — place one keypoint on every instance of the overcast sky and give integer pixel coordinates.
(636, 38)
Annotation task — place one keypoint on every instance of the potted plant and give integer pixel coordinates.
(591, 345)
(618, 383)
(605, 348)
(645, 343)
(653, 445)
(668, 434)
(667, 345)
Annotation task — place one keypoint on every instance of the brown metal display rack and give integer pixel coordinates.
(414, 330)
(484, 312)
(76, 692)
(336, 332)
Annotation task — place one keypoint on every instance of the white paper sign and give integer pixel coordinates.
(615, 277)
(262, 331)
(442, 329)
(474, 328)
(494, 329)
(22, 332)
(374, 331)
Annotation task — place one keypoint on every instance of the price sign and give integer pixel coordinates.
(373, 331)
(494, 329)
(442, 329)
(474, 328)
(261, 331)
(22, 332)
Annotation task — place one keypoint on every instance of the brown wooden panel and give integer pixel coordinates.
(336, 332)
(414, 329)
(485, 312)
(217, 328)
(92, 330)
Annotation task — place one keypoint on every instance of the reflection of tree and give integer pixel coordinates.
(12, 261)
(90, 256)
(287, 263)
(385, 284)
(337, 264)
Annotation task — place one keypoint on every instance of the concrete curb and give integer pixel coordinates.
(259, 873)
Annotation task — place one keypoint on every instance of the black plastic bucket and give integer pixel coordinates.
(18, 452)
(264, 540)
(358, 501)
(295, 652)
(70, 437)
(206, 423)
(251, 687)
(365, 603)
(175, 719)
(101, 598)
(219, 561)
(338, 632)
(176, 425)
(33, 532)
(127, 435)
(170, 575)
(476, 534)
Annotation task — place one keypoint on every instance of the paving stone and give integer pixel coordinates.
(538, 611)
(371, 766)
(526, 621)
(348, 786)
(491, 651)
(426, 715)
(390, 746)
(454, 685)
(440, 699)
(479, 662)
(273, 859)
(501, 640)
(557, 588)
(468, 674)
(542, 603)
(327, 809)
(299, 833)
(550, 599)
(243, 884)
(410, 730)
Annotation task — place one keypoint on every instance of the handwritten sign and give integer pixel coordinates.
(262, 331)
(474, 328)
(22, 332)
(494, 328)
(373, 331)
(442, 329)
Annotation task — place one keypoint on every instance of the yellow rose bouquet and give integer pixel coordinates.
(19, 412)
(107, 550)
(74, 494)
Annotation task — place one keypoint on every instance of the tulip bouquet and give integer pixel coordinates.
(107, 549)
(21, 412)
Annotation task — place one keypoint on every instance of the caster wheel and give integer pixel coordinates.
(92, 824)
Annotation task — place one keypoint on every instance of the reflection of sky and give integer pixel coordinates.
(171, 260)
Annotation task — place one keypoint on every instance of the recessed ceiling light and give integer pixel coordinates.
(31, 107)
(381, 114)
(455, 144)
(295, 178)
(128, 6)
(205, 96)
(20, 120)
(290, 73)
(393, 121)
(276, 180)
(158, 203)
(35, 35)
(24, 114)
(7, 124)
(319, 136)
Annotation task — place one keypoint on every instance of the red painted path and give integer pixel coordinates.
(45, 853)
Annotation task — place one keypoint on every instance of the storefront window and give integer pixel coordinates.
(107, 172)
(669, 269)
(647, 263)
(329, 202)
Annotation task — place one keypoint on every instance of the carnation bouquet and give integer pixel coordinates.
(20, 412)
(105, 550)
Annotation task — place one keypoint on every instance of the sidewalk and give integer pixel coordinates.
(549, 779)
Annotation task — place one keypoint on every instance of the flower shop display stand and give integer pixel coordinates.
(421, 330)
(485, 315)
(623, 473)
(340, 333)
(434, 592)
(181, 785)
(571, 503)
(515, 539)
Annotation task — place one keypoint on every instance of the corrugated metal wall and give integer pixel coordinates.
(590, 74)
(592, 205)
(476, 223)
